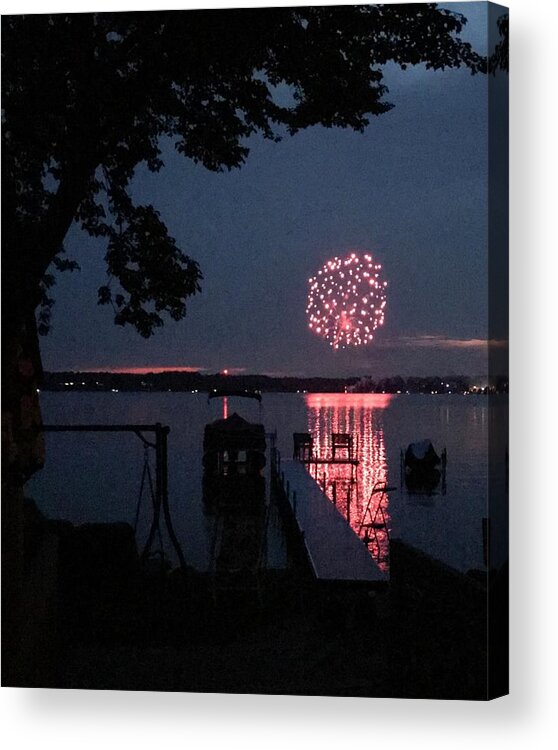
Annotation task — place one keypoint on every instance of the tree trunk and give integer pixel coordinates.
(22, 455)
(27, 253)
(29, 250)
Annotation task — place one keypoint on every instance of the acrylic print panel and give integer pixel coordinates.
(284, 469)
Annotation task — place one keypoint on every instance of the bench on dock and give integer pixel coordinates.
(303, 448)
(334, 550)
(342, 449)
(342, 442)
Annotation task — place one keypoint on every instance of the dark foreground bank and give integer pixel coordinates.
(98, 619)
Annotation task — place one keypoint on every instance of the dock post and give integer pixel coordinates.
(486, 541)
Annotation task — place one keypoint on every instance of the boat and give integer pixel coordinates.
(233, 462)
(241, 392)
(234, 492)
(421, 462)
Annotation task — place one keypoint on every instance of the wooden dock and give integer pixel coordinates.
(334, 550)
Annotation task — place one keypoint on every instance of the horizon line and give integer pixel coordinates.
(242, 372)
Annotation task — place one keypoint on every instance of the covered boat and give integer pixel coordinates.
(421, 467)
(235, 497)
(233, 461)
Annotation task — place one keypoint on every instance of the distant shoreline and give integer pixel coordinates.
(183, 382)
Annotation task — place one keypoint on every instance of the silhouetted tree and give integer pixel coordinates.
(500, 58)
(87, 98)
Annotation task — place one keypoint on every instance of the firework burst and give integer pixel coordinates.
(347, 300)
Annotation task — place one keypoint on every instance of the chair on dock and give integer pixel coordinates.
(342, 441)
(303, 449)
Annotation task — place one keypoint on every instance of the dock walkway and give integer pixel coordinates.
(334, 550)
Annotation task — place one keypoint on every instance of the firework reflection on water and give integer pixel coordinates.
(350, 487)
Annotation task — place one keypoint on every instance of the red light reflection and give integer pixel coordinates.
(350, 487)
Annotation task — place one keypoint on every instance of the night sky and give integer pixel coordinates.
(411, 190)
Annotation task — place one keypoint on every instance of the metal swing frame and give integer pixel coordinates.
(161, 499)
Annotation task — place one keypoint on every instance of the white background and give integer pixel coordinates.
(525, 719)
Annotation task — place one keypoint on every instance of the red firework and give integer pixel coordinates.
(347, 300)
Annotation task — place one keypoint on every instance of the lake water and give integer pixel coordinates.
(96, 477)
